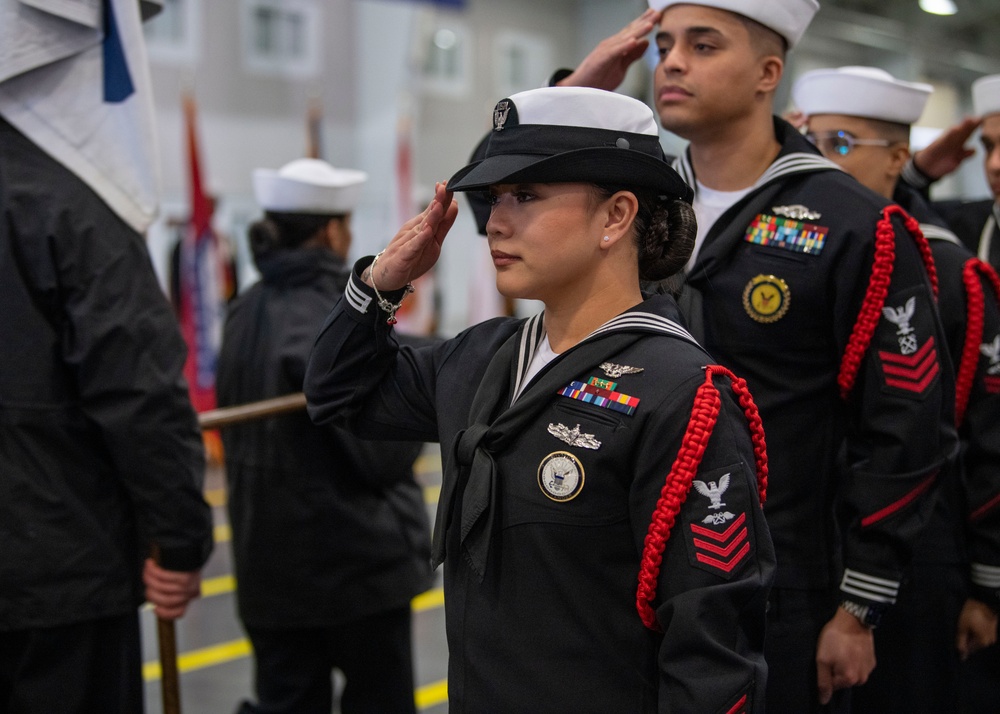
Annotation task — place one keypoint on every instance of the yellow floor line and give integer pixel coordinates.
(430, 695)
(427, 463)
(215, 496)
(223, 533)
(199, 659)
(221, 585)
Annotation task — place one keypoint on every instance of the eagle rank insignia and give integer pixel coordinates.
(560, 476)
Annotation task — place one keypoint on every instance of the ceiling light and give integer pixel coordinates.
(939, 7)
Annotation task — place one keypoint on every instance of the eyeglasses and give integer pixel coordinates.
(841, 142)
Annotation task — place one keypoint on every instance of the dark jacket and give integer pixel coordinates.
(966, 526)
(546, 504)
(100, 452)
(327, 528)
(776, 299)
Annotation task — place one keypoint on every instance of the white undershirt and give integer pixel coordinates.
(543, 355)
(709, 205)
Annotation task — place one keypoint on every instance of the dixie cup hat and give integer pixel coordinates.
(986, 95)
(308, 186)
(866, 92)
(573, 135)
(789, 18)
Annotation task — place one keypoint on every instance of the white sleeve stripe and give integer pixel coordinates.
(355, 297)
(987, 576)
(869, 586)
(867, 595)
(855, 575)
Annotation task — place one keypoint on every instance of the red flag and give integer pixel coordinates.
(418, 314)
(201, 284)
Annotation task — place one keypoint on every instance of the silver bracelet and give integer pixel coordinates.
(387, 306)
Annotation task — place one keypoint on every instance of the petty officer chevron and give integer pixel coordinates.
(796, 272)
(860, 118)
(600, 519)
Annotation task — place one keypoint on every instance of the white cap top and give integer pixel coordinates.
(866, 92)
(308, 186)
(584, 107)
(986, 95)
(789, 18)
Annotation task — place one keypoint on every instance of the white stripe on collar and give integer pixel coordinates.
(932, 232)
(986, 237)
(794, 163)
(534, 330)
(531, 337)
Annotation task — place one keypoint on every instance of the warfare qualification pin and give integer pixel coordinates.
(766, 298)
(560, 476)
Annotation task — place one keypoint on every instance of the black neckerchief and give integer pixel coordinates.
(497, 418)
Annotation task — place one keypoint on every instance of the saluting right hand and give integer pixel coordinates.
(416, 247)
(606, 65)
(948, 151)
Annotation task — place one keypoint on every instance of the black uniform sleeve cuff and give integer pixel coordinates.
(914, 176)
(985, 584)
(360, 296)
(559, 75)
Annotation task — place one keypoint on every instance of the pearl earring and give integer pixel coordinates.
(607, 238)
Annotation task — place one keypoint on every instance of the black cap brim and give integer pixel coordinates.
(606, 165)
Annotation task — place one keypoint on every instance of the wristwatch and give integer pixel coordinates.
(867, 615)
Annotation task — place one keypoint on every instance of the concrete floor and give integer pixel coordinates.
(215, 657)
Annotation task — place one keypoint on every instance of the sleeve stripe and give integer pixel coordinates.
(870, 587)
(987, 576)
(985, 508)
(901, 503)
(355, 297)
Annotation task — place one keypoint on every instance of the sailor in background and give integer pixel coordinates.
(101, 460)
(976, 223)
(330, 533)
(570, 441)
(860, 118)
(787, 236)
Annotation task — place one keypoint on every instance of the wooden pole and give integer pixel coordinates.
(170, 681)
(216, 418)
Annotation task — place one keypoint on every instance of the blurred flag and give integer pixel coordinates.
(107, 138)
(314, 129)
(201, 280)
(418, 314)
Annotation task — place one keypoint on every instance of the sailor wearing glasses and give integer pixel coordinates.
(860, 118)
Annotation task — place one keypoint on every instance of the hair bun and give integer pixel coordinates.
(668, 239)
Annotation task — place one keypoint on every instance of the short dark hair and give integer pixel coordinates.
(763, 39)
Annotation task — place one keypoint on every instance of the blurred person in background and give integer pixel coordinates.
(330, 533)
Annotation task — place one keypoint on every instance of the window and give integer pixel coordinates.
(172, 37)
(281, 38)
(521, 61)
(446, 59)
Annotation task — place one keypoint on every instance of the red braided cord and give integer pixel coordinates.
(923, 245)
(704, 414)
(975, 318)
(871, 307)
(756, 428)
(974, 301)
(878, 289)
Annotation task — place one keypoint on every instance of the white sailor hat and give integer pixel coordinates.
(986, 95)
(572, 134)
(789, 18)
(308, 186)
(866, 92)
